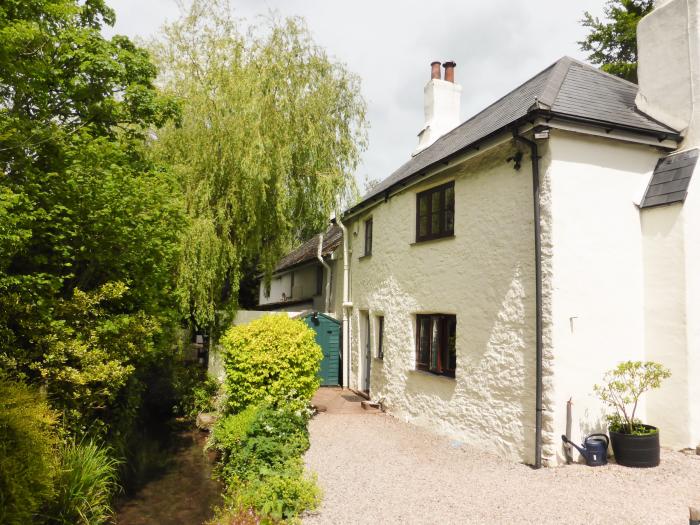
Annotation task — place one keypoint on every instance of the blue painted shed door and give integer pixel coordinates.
(328, 338)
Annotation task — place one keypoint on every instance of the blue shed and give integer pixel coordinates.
(328, 338)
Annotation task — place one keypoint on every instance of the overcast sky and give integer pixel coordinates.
(497, 45)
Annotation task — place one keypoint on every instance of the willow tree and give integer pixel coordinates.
(270, 135)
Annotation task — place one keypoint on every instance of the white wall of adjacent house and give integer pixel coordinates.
(484, 275)
(300, 283)
(597, 273)
(622, 286)
(669, 90)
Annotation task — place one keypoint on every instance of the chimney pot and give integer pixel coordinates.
(449, 71)
(435, 70)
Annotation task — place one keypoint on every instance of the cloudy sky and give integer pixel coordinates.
(497, 45)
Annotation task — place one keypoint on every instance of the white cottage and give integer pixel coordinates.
(514, 259)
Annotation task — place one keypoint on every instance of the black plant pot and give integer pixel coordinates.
(636, 451)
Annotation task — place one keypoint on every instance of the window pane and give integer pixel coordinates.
(449, 221)
(435, 344)
(423, 205)
(424, 342)
(450, 198)
(368, 237)
(436, 201)
(423, 227)
(380, 339)
(451, 357)
(435, 224)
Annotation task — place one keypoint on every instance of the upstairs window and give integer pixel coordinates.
(436, 349)
(368, 236)
(435, 212)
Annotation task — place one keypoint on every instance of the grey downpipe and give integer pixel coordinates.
(534, 154)
(327, 304)
(346, 303)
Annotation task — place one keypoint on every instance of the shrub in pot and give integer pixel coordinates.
(634, 443)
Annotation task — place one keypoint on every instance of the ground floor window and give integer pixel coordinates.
(436, 349)
(380, 337)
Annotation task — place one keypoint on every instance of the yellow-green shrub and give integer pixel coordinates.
(273, 358)
(27, 453)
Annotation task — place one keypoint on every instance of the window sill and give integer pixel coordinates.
(430, 241)
(425, 373)
(363, 257)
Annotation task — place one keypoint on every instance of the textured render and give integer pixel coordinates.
(599, 267)
(484, 275)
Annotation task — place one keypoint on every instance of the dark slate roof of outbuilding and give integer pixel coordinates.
(566, 89)
(308, 250)
(671, 179)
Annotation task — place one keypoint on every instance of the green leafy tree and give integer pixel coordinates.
(612, 43)
(270, 135)
(89, 225)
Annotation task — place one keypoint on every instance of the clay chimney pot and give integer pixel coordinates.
(449, 71)
(435, 70)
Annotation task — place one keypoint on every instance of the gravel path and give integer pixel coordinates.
(375, 469)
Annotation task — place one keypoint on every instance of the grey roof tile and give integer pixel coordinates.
(569, 88)
(308, 250)
(671, 179)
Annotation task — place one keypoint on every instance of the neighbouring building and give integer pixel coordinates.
(516, 257)
(305, 278)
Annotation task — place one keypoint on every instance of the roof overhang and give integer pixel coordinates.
(537, 117)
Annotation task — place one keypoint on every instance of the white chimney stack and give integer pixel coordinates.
(442, 100)
(668, 41)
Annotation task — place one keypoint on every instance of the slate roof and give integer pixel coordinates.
(671, 179)
(567, 89)
(309, 249)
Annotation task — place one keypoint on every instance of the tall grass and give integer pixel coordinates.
(85, 484)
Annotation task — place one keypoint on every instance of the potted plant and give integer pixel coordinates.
(634, 443)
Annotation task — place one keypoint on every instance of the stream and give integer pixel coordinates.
(180, 492)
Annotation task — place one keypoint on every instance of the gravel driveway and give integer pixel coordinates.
(375, 469)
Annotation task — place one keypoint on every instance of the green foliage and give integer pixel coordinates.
(613, 43)
(624, 385)
(196, 391)
(89, 226)
(616, 423)
(27, 453)
(85, 485)
(260, 450)
(272, 357)
(270, 135)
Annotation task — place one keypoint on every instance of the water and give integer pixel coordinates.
(181, 492)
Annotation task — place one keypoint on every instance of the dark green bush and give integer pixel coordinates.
(273, 358)
(86, 482)
(260, 450)
(27, 453)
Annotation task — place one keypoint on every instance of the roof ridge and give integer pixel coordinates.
(556, 79)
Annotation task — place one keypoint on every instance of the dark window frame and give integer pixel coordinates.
(443, 359)
(444, 214)
(380, 337)
(369, 225)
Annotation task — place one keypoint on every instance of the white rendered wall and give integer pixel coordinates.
(305, 286)
(484, 275)
(597, 272)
